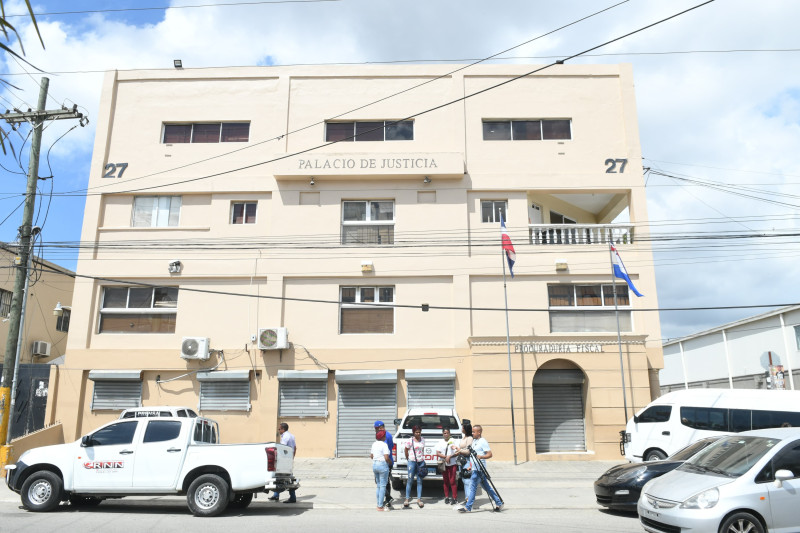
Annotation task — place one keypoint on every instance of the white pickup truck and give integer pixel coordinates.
(152, 455)
(432, 421)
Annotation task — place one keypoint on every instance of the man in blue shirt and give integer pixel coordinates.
(287, 439)
(481, 448)
(390, 444)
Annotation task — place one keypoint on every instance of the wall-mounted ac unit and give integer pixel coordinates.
(41, 348)
(194, 348)
(273, 339)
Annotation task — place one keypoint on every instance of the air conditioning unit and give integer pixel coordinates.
(273, 339)
(41, 348)
(194, 348)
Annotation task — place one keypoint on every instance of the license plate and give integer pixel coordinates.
(651, 513)
(431, 471)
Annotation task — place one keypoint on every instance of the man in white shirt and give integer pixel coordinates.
(287, 439)
(481, 448)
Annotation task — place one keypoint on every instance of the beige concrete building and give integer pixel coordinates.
(321, 246)
(45, 334)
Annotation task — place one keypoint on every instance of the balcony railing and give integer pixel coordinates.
(580, 233)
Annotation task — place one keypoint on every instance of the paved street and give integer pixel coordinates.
(338, 494)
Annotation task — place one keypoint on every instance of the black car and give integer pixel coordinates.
(619, 487)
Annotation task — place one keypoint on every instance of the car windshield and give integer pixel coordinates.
(690, 450)
(436, 422)
(730, 456)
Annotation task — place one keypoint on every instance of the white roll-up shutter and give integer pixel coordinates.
(558, 411)
(116, 390)
(434, 389)
(224, 391)
(360, 405)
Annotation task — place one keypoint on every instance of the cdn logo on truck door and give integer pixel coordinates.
(102, 465)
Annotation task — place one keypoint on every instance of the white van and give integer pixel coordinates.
(679, 418)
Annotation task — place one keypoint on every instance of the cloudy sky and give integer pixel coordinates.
(717, 88)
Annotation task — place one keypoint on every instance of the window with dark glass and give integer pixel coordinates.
(369, 130)
(366, 310)
(120, 433)
(492, 210)
(243, 212)
(161, 430)
(706, 418)
(62, 322)
(527, 130)
(139, 310)
(655, 413)
(368, 222)
(588, 308)
(5, 302)
(206, 132)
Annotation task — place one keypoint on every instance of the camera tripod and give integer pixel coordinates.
(480, 466)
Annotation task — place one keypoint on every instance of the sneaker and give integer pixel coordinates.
(273, 498)
(499, 508)
(462, 509)
(453, 501)
(447, 501)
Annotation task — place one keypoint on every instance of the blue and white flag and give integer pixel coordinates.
(620, 271)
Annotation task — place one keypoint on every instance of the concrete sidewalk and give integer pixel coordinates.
(348, 483)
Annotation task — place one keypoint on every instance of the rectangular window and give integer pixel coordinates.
(207, 132)
(366, 310)
(139, 310)
(5, 302)
(243, 212)
(156, 211)
(527, 130)
(373, 130)
(707, 418)
(588, 308)
(303, 398)
(492, 210)
(62, 322)
(368, 222)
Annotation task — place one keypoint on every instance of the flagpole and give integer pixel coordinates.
(619, 335)
(508, 347)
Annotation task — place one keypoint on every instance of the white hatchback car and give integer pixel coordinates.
(748, 482)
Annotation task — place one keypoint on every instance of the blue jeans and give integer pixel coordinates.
(478, 477)
(292, 496)
(467, 484)
(381, 470)
(413, 473)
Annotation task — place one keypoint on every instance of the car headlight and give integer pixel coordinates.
(703, 500)
(631, 474)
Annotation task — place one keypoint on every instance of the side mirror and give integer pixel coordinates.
(397, 421)
(781, 476)
(635, 419)
(86, 441)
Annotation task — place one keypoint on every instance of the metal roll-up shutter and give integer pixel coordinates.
(116, 395)
(432, 393)
(558, 411)
(224, 396)
(360, 405)
(303, 398)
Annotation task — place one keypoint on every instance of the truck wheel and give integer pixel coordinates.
(655, 455)
(241, 500)
(84, 501)
(208, 495)
(398, 485)
(41, 492)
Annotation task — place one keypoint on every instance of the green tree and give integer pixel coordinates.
(9, 34)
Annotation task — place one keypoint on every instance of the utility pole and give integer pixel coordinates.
(15, 329)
